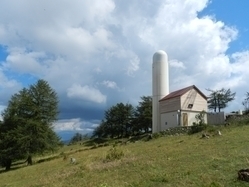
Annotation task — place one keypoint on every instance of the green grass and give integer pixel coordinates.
(185, 160)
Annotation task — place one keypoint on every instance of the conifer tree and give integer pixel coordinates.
(219, 99)
(27, 123)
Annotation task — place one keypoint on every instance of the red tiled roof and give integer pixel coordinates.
(181, 92)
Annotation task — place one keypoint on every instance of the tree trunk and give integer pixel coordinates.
(29, 160)
(7, 164)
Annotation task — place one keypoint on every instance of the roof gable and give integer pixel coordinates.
(181, 92)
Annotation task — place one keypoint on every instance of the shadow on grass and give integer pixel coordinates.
(102, 142)
(14, 166)
(94, 141)
(21, 164)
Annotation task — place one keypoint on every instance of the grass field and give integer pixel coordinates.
(185, 160)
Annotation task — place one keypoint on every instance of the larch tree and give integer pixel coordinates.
(27, 126)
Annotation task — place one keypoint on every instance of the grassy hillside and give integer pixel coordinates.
(185, 160)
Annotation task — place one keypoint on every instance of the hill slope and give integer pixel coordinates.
(185, 160)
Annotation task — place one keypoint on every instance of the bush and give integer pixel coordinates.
(114, 154)
(197, 128)
(64, 155)
(156, 135)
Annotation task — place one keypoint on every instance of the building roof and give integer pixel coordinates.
(181, 92)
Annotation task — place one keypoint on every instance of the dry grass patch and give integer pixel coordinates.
(108, 165)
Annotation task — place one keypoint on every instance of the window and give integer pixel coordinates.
(190, 105)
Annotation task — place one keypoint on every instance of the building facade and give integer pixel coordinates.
(180, 107)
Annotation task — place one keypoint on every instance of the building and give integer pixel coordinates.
(180, 107)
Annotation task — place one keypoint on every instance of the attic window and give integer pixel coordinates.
(190, 105)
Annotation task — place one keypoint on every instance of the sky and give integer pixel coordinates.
(97, 53)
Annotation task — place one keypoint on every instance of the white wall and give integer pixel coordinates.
(193, 97)
(169, 120)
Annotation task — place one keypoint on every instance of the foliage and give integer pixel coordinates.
(245, 103)
(143, 115)
(114, 154)
(27, 123)
(200, 118)
(195, 128)
(199, 125)
(117, 122)
(219, 99)
(156, 135)
(78, 137)
(122, 120)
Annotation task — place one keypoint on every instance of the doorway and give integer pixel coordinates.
(185, 119)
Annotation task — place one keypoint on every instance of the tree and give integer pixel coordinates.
(200, 118)
(101, 130)
(27, 123)
(219, 99)
(143, 115)
(117, 121)
(245, 103)
(78, 137)
(124, 120)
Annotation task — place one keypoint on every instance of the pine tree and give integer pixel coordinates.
(117, 122)
(143, 115)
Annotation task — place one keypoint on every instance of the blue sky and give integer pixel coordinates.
(232, 13)
(97, 53)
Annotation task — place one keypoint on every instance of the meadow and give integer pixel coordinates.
(167, 161)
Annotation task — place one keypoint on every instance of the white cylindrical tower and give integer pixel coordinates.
(160, 86)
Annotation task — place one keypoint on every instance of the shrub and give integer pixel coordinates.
(197, 128)
(64, 155)
(156, 135)
(114, 154)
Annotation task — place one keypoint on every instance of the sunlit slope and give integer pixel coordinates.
(185, 160)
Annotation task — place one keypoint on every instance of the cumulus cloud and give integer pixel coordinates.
(87, 50)
(75, 125)
(23, 61)
(68, 125)
(86, 93)
(133, 66)
(110, 84)
(177, 64)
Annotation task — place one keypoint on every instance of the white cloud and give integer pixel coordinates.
(110, 84)
(97, 70)
(75, 124)
(68, 125)
(86, 93)
(133, 66)
(85, 47)
(23, 61)
(177, 64)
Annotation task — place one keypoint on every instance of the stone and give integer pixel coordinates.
(243, 175)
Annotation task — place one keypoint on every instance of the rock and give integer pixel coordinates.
(219, 133)
(243, 175)
(204, 135)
